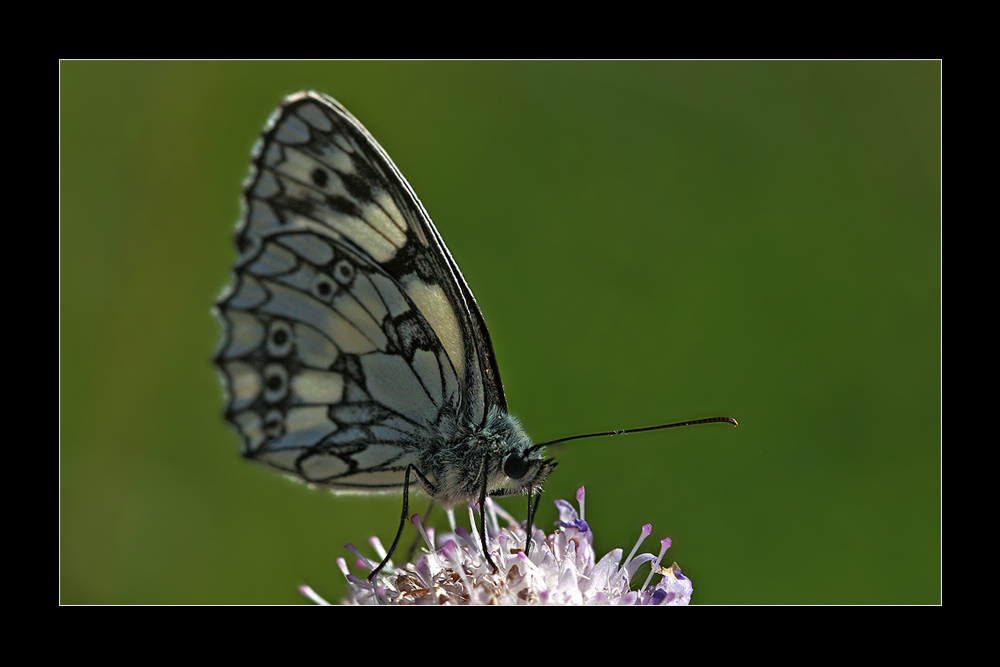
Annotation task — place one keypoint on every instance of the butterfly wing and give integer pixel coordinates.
(351, 337)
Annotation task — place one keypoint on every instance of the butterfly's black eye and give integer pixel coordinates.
(516, 466)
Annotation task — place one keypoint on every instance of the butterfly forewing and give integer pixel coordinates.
(351, 337)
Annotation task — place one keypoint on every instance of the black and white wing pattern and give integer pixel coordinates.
(353, 348)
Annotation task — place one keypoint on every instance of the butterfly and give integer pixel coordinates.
(354, 355)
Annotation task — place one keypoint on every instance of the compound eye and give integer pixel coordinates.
(516, 466)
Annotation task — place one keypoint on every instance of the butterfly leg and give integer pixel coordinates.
(404, 516)
(482, 517)
(532, 508)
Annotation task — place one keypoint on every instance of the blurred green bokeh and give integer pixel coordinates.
(649, 242)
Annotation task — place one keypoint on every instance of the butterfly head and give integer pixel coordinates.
(516, 465)
(523, 472)
(496, 458)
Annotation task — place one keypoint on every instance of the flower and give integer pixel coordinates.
(560, 570)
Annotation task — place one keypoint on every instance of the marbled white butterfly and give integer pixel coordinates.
(354, 355)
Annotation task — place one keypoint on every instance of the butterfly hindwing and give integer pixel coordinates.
(351, 335)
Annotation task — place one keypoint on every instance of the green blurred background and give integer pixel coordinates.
(649, 242)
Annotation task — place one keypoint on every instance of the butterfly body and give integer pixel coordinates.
(354, 352)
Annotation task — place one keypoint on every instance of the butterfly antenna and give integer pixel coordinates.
(707, 420)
